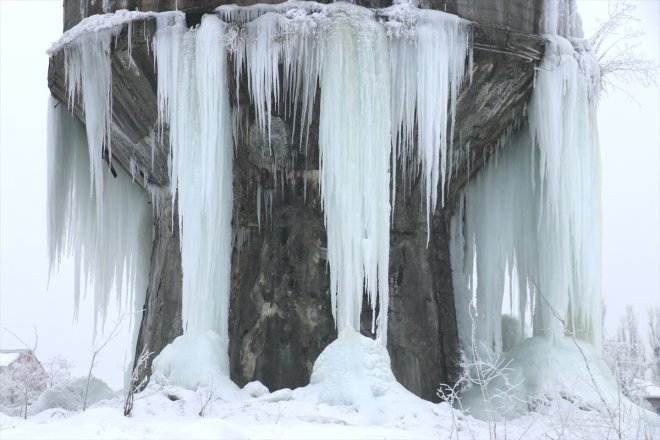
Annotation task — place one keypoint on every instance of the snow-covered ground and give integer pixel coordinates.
(352, 394)
(170, 412)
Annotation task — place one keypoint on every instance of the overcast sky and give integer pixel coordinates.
(630, 143)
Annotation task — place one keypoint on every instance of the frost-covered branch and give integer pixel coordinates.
(617, 47)
(96, 350)
(654, 342)
(136, 384)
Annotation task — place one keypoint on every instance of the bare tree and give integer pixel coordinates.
(617, 43)
(654, 342)
(625, 355)
(96, 350)
(58, 370)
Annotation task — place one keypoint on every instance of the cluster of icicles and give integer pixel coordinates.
(372, 102)
(389, 81)
(526, 235)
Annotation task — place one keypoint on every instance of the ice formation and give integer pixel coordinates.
(357, 127)
(353, 370)
(288, 35)
(108, 234)
(354, 143)
(530, 219)
(194, 103)
(539, 372)
(370, 105)
(193, 360)
(428, 52)
(388, 88)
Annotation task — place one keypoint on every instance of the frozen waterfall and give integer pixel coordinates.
(194, 104)
(107, 234)
(527, 229)
(525, 233)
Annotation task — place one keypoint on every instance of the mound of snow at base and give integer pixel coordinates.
(353, 370)
(539, 371)
(71, 395)
(194, 360)
(351, 367)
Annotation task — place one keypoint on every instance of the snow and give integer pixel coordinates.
(70, 395)
(112, 22)
(652, 390)
(195, 359)
(537, 372)
(353, 370)
(8, 358)
(173, 413)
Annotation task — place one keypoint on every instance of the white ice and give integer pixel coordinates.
(193, 102)
(108, 235)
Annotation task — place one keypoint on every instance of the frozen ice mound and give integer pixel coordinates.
(352, 370)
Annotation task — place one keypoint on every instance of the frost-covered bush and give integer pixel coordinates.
(22, 382)
(654, 342)
(625, 355)
(58, 371)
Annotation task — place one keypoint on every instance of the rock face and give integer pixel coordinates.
(161, 318)
(280, 317)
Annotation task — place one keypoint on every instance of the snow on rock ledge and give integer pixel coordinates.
(112, 22)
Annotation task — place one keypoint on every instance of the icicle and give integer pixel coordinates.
(88, 75)
(259, 207)
(114, 258)
(560, 17)
(355, 145)
(241, 236)
(536, 212)
(274, 35)
(429, 49)
(194, 101)
(87, 67)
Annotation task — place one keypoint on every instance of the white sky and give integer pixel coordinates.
(630, 144)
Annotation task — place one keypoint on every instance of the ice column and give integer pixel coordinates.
(194, 103)
(354, 143)
(531, 217)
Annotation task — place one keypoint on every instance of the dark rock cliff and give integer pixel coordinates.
(280, 318)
